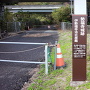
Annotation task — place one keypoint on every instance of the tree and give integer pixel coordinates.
(8, 17)
(40, 3)
(62, 14)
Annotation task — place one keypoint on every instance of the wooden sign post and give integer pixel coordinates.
(79, 26)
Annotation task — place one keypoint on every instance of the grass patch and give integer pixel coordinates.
(49, 82)
(88, 75)
(87, 85)
(52, 54)
(69, 88)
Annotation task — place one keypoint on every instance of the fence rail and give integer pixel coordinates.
(22, 61)
(68, 26)
(13, 26)
(27, 43)
(23, 43)
(18, 26)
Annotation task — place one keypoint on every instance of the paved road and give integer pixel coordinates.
(13, 75)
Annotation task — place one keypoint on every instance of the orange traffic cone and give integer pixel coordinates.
(59, 59)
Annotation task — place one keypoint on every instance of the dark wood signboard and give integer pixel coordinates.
(79, 35)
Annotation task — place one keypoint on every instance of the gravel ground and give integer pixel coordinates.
(14, 75)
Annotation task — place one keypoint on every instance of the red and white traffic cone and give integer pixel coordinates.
(59, 59)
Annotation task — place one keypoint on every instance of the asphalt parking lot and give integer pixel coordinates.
(14, 75)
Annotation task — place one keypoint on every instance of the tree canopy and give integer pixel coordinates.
(62, 14)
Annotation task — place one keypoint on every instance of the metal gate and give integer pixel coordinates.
(32, 62)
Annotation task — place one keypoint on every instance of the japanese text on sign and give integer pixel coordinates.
(79, 51)
(82, 26)
(76, 30)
